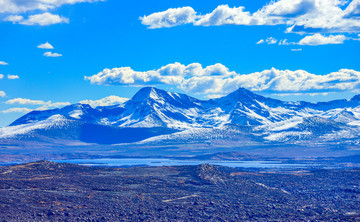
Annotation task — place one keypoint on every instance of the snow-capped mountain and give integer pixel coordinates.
(151, 107)
(155, 115)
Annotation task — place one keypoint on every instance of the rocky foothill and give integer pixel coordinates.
(47, 191)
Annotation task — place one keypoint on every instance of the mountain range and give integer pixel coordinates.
(156, 116)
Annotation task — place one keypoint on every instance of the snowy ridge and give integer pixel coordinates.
(58, 121)
(239, 116)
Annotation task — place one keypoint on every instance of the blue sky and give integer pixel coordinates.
(206, 48)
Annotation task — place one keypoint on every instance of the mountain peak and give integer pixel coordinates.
(241, 94)
(243, 91)
(355, 98)
(78, 106)
(148, 92)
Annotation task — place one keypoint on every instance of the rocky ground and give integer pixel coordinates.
(47, 191)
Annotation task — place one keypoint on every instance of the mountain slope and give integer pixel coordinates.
(151, 107)
(153, 113)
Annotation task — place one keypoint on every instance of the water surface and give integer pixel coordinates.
(173, 162)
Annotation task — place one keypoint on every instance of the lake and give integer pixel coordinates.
(127, 162)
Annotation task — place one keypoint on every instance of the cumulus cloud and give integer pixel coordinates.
(276, 81)
(171, 74)
(289, 8)
(299, 15)
(43, 105)
(313, 40)
(285, 42)
(300, 94)
(218, 79)
(22, 101)
(261, 41)
(14, 18)
(17, 110)
(127, 76)
(3, 63)
(13, 77)
(224, 15)
(318, 39)
(52, 54)
(43, 19)
(271, 40)
(45, 45)
(169, 18)
(353, 9)
(296, 50)
(16, 6)
(310, 15)
(51, 105)
(173, 17)
(107, 101)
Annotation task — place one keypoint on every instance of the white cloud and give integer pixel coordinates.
(271, 40)
(17, 110)
(220, 16)
(1, 76)
(300, 94)
(20, 6)
(127, 76)
(13, 77)
(218, 79)
(224, 15)
(50, 105)
(353, 9)
(169, 18)
(318, 39)
(14, 18)
(3, 63)
(309, 15)
(277, 81)
(44, 105)
(171, 74)
(299, 15)
(261, 41)
(22, 101)
(314, 40)
(107, 101)
(45, 45)
(296, 50)
(288, 8)
(43, 19)
(51, 54)
(215, 96)
(285, 42)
